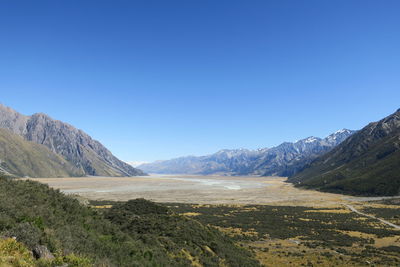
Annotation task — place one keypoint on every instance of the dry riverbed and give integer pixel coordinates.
(194, 189)
(198, 189)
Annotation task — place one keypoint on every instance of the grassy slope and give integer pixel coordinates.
(24, 158)
(138, 233)
(368, 163)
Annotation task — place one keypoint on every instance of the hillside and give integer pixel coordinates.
(283, 160)
(23, 158)
(136, 233)
(367, 163)
(74, 145)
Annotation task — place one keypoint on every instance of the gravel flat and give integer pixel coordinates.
(194, 189)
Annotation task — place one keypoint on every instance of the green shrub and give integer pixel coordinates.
(26, 233)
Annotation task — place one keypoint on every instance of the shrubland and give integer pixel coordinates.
(135, 233)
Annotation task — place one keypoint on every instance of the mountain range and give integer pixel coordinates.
(367, 163)
(75, 152)
(283, 160)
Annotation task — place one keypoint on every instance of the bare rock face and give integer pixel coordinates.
(12, 120)
(42, 252)
(73, 144)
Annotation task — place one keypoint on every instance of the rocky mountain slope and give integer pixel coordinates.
(85, 154)
(367, 163)
(23, 158)
(283, 160)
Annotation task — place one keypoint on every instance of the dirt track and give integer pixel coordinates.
(353, 209)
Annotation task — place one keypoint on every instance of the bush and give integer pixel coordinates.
(13, 253)
(26, 233)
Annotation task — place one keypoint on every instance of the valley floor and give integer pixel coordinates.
(196, 189)
(308, 236)
(281, 224)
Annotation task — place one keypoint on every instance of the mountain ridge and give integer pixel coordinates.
(367, 163)
(73, 144)
(282, 160)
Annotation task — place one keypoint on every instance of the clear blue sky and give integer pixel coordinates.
(159, 79)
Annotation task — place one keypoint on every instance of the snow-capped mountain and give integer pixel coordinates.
(283, 160)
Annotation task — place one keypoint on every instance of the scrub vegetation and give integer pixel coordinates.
(135, 233)
(305, 236)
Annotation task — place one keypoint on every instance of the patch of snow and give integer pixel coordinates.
(341, 131)
(311, 139)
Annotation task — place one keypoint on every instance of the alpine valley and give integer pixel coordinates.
(199, 221)
(200, 133)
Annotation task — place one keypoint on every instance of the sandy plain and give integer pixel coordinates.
(197, 189)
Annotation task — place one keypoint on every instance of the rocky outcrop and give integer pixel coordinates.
(42, 252)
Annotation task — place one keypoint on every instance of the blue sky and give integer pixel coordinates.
(159, 79)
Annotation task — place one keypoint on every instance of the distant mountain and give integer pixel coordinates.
(85, 154)
(288, 158)
(223, 162)
(283, 160)
(367, 163)
(19, 157)
(136, 163)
